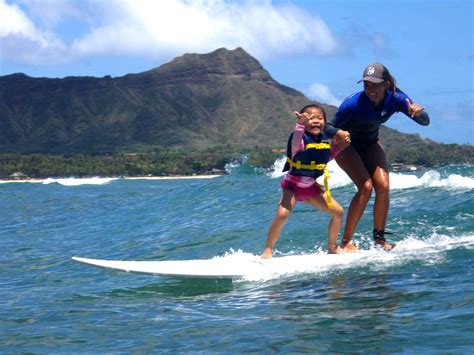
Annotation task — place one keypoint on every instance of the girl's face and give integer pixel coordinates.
(315, 123)
(375, 92)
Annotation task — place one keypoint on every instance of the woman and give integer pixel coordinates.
(355, 127)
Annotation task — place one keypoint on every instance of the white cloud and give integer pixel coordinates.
(22, 40)
(49, 13)
(323, 94)
(161, 29)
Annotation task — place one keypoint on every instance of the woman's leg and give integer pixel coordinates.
(376, 163)
(337, 214)
(286, 205)
(350, 161)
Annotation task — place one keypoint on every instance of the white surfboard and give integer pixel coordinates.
(217, 268)
(228, 267)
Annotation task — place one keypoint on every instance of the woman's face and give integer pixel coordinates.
(375, 92)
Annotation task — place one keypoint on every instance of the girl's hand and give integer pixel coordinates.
(303, 118)
(343, 139)
(414, 109)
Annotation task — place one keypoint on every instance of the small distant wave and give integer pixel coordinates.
(79, 181)
(429, 251)
(232, 166)
(243, 167)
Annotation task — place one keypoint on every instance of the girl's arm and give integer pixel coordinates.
(297, 143)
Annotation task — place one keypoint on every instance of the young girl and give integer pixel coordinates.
(308, 152)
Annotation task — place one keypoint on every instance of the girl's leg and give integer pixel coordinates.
(337, 214)
(286, 205)
(350, 161)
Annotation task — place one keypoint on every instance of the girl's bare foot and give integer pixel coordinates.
(267, 253)
(348, 247)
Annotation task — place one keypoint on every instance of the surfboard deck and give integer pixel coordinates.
(217, 268)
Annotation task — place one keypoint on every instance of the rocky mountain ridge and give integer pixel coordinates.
(195, 100)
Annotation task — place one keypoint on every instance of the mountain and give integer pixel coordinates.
(195, 100)
(223, 98)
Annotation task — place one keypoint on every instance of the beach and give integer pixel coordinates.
(42, 181)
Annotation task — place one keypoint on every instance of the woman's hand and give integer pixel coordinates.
(414, 109)
(343, 139)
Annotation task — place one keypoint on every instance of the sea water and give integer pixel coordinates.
(418, 298)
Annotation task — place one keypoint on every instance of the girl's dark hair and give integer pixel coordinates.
(315, 106)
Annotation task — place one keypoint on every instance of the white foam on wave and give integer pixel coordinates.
(430, 179)
(276, 170)
(427, 251)
(337, 178)
(79, 181)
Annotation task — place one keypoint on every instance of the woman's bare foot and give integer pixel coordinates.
(384, 244)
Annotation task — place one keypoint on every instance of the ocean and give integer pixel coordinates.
(418, 298)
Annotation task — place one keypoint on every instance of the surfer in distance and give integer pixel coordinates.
(355, 128)
(308, 152)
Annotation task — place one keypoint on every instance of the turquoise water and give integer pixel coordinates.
(417, 299)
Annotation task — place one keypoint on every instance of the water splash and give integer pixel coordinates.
(429, 251)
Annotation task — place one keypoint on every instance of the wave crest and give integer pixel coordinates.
(79, 181)
(431, 178)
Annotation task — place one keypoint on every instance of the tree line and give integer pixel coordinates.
(180, 161)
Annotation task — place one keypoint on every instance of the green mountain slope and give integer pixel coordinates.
(195, 100)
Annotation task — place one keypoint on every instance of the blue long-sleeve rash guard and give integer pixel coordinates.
(362, 119)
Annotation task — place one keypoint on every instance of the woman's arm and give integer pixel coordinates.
(334, 124)
(340, 137)
(417, 113)
(422, 119)
(413, 110)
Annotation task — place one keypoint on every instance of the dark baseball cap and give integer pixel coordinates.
(375, 73)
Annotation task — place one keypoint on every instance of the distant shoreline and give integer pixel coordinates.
(32, 180)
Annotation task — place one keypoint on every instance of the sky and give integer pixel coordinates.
(319, 47)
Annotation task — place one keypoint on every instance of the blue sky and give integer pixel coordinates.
(317, 47)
